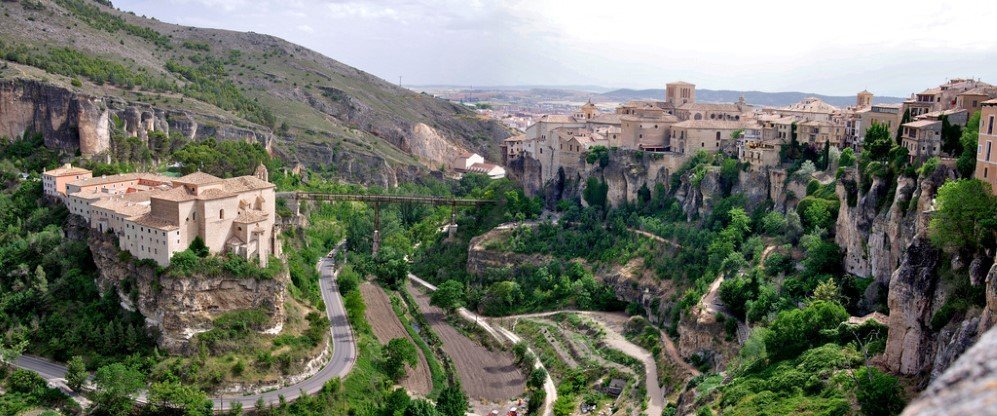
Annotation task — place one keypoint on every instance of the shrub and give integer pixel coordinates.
(794, 331)
(878, 393)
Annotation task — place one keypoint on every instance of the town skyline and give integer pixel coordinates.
(849, 47)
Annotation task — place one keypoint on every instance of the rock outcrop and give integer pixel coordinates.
(72, 121)
(480, 259)
(180, 307)
(66, 120)
(966, 388)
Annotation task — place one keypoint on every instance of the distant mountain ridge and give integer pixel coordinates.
(759, 98)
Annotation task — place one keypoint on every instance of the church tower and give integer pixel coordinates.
(863, 99)
(262, 173)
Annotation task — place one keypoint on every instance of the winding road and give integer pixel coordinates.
(344, 352)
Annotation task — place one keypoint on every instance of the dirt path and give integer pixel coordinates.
(387, 327)
(655, 237)
(484, 375)
(612, 323)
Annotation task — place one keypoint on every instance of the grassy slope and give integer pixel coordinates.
(367, 115)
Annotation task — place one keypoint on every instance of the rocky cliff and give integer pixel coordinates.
(74, 121)
(180, 307)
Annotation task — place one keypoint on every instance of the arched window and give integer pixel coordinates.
(221, 212)
(698, 116)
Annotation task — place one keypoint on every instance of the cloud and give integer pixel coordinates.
(773, 45)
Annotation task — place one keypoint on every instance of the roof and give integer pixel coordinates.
(152, 221)
(516, 138)
(679, 83)
(711, 124)
(122, 206)
(214, 194)
(557, 118)
(66, 170)
(922, 123)
(483, 167)
(121, 177)
(931, 91)
(178, 194)
(246, 183)
(606, 119)
(198, 178)
(975, 91)
(990, 102)
(811, 105)
(250, 216)
(728, 107)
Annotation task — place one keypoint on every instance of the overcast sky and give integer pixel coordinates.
(838, 47)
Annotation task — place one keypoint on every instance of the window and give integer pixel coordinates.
(718, 135)
(985, 172)
(988, 150)
(990, 125)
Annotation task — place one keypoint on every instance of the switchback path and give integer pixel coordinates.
(344, 352)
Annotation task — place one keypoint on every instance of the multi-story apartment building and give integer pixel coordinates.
(923, 139)
(986, 158)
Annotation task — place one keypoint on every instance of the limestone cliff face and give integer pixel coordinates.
(909, 346)
(65, 119)
(179, 308)
(72, 121)
(966, 388)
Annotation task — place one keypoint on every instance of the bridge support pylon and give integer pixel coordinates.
(377, 228)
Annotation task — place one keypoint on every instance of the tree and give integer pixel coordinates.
(198, 247)
(421, 408)
(847, 159)
(900, 128)
(397, 403)
(452, 401)
(175, 398)
(827, 291)
(595, 192)
(115, 384)
(449, 295)
(537, 378)
(76, 373)
(774, 223)
(397, 353)
(878, 394)
(877, 142)
(966, 216)
(966, 163)
(794, 331)
(951, 135)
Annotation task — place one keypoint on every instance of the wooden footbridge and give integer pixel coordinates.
(376, 201)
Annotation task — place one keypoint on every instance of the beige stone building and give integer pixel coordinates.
(923, 139)
(680, 92)
(888, 114)
(155, 216)
(711, 135)
(54, 181)
(986, 157)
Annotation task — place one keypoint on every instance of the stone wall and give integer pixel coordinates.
(180, 307)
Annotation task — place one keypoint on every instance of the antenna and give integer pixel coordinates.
(399, 81)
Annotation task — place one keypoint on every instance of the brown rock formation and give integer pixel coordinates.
(967, 388)
(179, 308)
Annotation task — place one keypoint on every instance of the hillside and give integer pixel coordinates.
(306, 107)
(760, 98)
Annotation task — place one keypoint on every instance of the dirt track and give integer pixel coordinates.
(387, 327)
(483, 374)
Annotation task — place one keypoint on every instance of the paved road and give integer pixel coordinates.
(343, 356)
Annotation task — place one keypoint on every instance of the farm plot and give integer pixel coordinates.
(484, 375)
(387, 327)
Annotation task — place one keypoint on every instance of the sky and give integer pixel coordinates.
(889, 47)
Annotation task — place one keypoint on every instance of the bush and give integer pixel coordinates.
(878, 394)
(794, 331)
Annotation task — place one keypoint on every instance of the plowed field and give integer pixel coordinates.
(484, 375)
(386, 328)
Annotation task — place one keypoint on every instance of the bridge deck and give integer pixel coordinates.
(434, 200)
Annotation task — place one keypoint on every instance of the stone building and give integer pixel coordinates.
(54, 181)
(986, 159)
(155, 216)
(888, 114)
(923, 139)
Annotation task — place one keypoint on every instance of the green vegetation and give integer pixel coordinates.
(98, 19)
(25, 391)
(966, 216)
